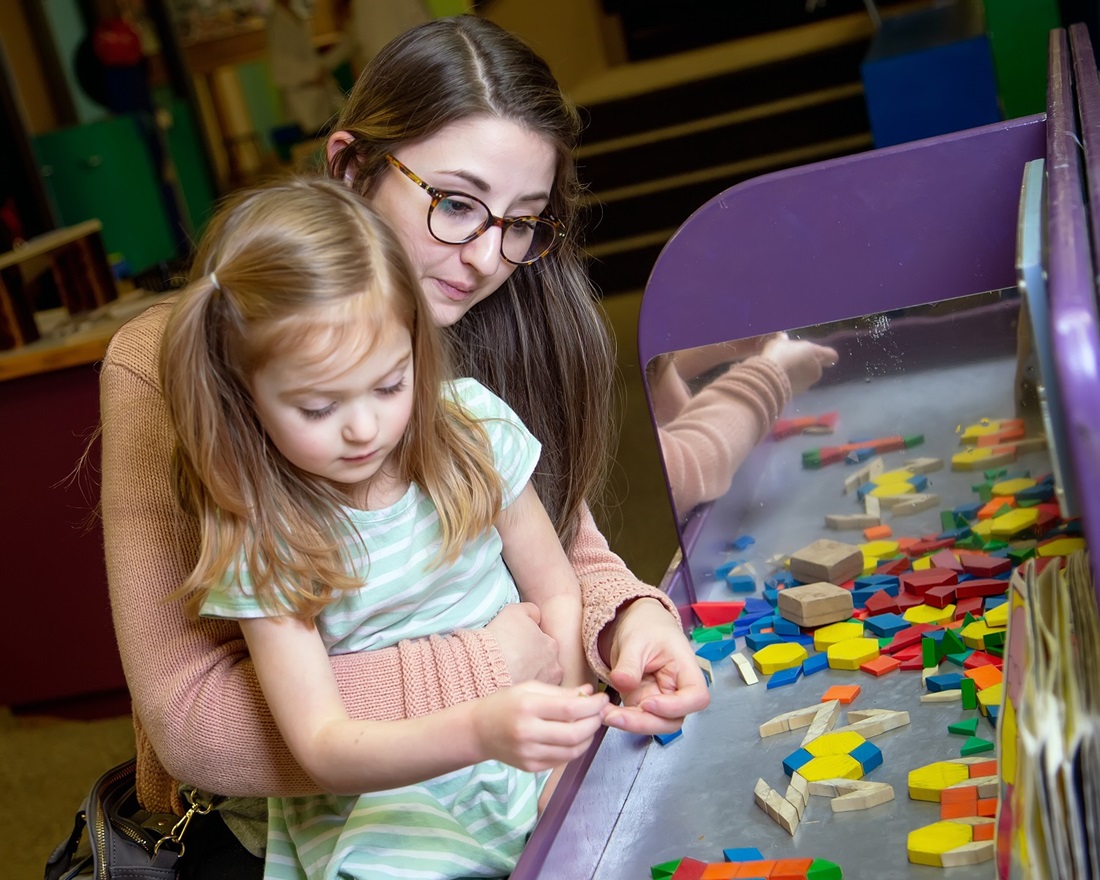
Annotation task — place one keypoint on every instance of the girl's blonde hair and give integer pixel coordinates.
(301, 265)
(540, 342)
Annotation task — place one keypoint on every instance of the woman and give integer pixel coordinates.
(452, 118)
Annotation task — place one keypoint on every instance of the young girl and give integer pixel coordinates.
(349, 498)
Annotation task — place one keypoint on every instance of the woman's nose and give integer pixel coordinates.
(483, 253)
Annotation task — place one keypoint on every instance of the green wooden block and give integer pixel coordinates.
(929, 653)
(970, 542)
(975, 745)
(822, 869)
(951, 643)
(959, 659)
(947, 520)
(967, 728)
(707, 634)
(994, 474)
(665, 870)
(811, 459)
(1020, 555)
(990, 546)
(1017, 31)
(984, 490)
(969, 693)
(913, 440)
(994, 639)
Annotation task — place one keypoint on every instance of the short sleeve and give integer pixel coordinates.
(515, 450)
(235, 599)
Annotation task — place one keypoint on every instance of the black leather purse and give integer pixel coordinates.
(122, 839)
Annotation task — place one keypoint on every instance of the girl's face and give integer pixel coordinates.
(501, 163)
(337, 422)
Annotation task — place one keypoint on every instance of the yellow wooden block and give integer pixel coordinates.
(922, 563)
(824, 636)
(834, 743)
(852, 653)
(983, 528)
(974, 633)
(927, 845)
(773, 658)
(902, 475)
(1015, 521)
(990, 696)
(1011, 487)
(997, 616)
(928, 614)
(831, 767)
(892, 490)
(980, 457)
(926, 783)
(1061, 547)
(881, 549)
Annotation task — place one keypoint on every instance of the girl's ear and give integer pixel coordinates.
(336, 142)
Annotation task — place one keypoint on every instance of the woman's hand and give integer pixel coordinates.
(654, 669)
(803, 361)
(529, 653)
(535, 726)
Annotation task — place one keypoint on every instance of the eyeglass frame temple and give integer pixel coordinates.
(492, 221)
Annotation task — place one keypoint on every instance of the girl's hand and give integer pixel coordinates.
(529, 653)
(536, 726)
(803, 361)
(654, 669)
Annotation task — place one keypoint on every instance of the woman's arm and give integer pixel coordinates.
(545, 577)
(531, 726)
(195, 695)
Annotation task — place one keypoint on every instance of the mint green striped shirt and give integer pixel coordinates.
(469, 823)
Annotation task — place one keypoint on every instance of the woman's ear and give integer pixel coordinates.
(336, 142)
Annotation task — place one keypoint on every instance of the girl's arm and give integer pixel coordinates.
(545, 576)
(532, 726)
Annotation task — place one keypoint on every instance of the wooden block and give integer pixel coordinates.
(851, 522)
(856, 794)
(925, 465)
(972, 853)
(824, 720)
(842, 693)
(816, 604)
(744, 667)
(877, 532)
(826, 560)
(918, 503)
(871, 506)
(880, 665)
(776, 806)
(863, 474)
(793, 720)
(875, 725)
(951, 696)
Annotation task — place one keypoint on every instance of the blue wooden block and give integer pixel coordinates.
(865, 490)
(969, 511)
(781, 579)
(665, 738)
(805, 640)
(860, 597)
(787, 627)
(726, 567)
(945, 681)
(992, 602)
(888, 582)
(754, 606)
(869, 756)
(742, 542)
(771, 595)
(756, 641)
(886, 624)
(784, 676)
(717, 650)
(795, 760)
(993, 713)
(919, 482)
(743, 854)
(815, 663)
(763, 622)
(741, 583)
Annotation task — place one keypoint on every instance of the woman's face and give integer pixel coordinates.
(506, 166)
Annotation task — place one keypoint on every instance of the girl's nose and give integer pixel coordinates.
(361, 425)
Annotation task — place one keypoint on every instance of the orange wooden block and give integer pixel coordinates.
(993, 506)
(905, 543)
(845, 693)
(882, 664)
(790, 869)
(877, 533)
(987, 807)
(985, 676)
(755, 869)
(984, 831)
(964, 794)
(957, 811)
(983, 768)
(720, 871)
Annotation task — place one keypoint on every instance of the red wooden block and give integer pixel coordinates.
(981, 658)
(906, 637)
(907, 653)
(913, 664)
(689, 869)
(964, 794)
(984, 566)
(971, 605)
(946, 559)
(921, 548)
(983, 586)
(919, 582)
(1042, 562)
(908, 600)
(1047, 520)
(717, 613)
(940, 597)
(881, 603)
(894, 566)
(882, 664)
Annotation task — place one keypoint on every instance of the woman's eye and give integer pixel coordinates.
(456, 206)
(317, 413)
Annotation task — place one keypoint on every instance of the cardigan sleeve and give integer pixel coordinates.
(199, 712)
(714, 431)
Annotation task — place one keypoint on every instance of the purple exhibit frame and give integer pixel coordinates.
(886, 229)
(1070, 271)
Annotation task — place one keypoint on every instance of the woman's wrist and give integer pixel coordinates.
(606, 640)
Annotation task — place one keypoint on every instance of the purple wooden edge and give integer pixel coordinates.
(1071, 281)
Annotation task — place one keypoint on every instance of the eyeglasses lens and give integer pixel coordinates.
(457, 219)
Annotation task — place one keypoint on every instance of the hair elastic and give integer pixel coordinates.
(214, 281)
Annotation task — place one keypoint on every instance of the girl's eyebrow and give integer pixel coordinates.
(483, 185)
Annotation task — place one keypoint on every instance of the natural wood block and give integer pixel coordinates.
(816, 604)
(827, 560)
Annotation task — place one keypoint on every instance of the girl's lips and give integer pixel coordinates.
(356, 459)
